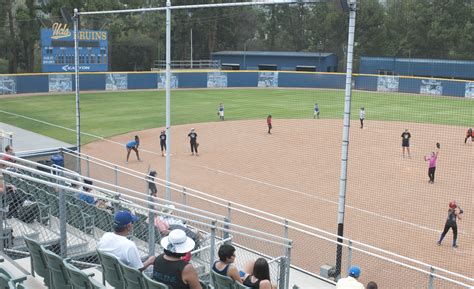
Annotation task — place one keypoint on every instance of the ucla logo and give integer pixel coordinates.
(60, 31)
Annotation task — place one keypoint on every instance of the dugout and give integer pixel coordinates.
(423, 67)
(283, 60)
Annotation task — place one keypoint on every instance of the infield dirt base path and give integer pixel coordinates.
(295, 171)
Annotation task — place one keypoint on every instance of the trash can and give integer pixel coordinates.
(58, 160)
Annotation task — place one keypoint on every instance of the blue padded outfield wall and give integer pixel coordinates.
(45, 83)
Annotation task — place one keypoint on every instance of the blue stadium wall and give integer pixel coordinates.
(45, 83)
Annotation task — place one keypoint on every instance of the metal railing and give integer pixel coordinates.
(355, 251)
(56, 212)
(187, 64)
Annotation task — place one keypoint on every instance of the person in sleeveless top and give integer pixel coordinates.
(224, 265)
(454, 213)
(258, 275)
(169, 268)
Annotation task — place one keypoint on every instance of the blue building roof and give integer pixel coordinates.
(274, 53)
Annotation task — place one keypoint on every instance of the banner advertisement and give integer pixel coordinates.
(216, 79)
(116, 81)
(388, 83)
(7, 85)
(162, 81)
(60, 82)
(268, 79)
(469, 90)
(431, 87)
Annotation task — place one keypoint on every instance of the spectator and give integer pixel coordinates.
(167, 223)
(14, 199)
(224, 265)
(8, 152)
(87, 198)
(170, 269)
(372, 285)
(258, 275)
(120, 246)
(350, 282)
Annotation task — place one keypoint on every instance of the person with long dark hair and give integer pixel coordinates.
(258, 275)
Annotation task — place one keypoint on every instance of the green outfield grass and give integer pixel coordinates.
(107, 114)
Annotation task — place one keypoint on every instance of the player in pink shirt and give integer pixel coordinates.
(432, 165)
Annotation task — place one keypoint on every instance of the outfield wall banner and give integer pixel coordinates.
(162, 81)
(116, 81)
(388, 83)
(7, 85)
(216, 79)
(431, 87)
(469, 90)
(268, 79)
(60, 82)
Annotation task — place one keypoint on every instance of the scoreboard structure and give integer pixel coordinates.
(57, 49)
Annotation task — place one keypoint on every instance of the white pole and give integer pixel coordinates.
(345, 135)
(78, 98)
(168, 94)
(191, 47)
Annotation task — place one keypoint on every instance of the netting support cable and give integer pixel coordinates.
(345, 136)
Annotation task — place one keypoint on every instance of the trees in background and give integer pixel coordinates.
(414, 28)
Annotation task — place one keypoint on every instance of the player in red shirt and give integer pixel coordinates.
(269, 123)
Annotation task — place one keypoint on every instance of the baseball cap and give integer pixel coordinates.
(123, 218)
(177, 242)
(354, 271)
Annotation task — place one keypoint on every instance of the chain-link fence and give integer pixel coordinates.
(69, 213)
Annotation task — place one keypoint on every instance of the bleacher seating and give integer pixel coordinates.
(132, 277)
(38, 260)
(79, 279)
(152, 284)
(57, 272)
(8, 281)
(111, 270)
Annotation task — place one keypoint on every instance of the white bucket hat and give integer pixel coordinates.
(168, 209)
(177, 242)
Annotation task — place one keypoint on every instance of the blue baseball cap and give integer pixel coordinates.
(354, 271)
(123, 218)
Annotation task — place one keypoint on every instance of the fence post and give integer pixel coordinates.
(3, 210)
(151, 226)
(227, 221)
(183, 201)
(349, 257)
(288, 264)
(87, 167)
(213, 244)
(284, 265)
(431, 278)
(62, 223)
(116, 177)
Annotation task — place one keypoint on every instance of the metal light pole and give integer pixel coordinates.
(191, 40)
(78, 98)
(345, 136)
(168, 94)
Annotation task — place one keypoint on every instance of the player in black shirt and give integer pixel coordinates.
(454, 213)
(163, 142)
(469, 134)
(406, 142)
(193, 141)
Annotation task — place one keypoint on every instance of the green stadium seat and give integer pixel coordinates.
(38, 260)
(133, 278)
(237, 285)
(221, 282)
(57, 272)
(152, 284)
(79, 279)
(111, 270)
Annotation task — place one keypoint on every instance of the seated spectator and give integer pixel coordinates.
(87, 198)
(350, 282)
(167, 222)
(14, 200)
(169, 268)
(151, 183)
(372, 285)
(8, 152)
(224, 265)
(258, 275)
(120, 246)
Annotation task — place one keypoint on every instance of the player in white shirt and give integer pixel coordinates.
(362, 116)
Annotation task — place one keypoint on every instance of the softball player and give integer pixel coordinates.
(454, 213)
(220, 111)
(133, 145)
(193, 142)
(163, 142)
(406, 142)
(469, 134)
(316, 111)
(362, 117)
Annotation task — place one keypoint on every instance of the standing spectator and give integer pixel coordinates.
(8, 152)
(269, 123)
(362, 117)
(454, 213)
(258, 275)
(169, 268)
(316, 111)
(193, 142)
(469, 134)
(163, 143)
(224, 266)
(151, 183)
(350, 282)
(120, 246)
(406, 142)
(432, 165)
(220, 111)
(372, 285)
(133, 145)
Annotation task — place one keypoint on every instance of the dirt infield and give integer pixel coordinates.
(294, 173)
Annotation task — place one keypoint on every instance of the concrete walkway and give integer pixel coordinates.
(25, 141)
